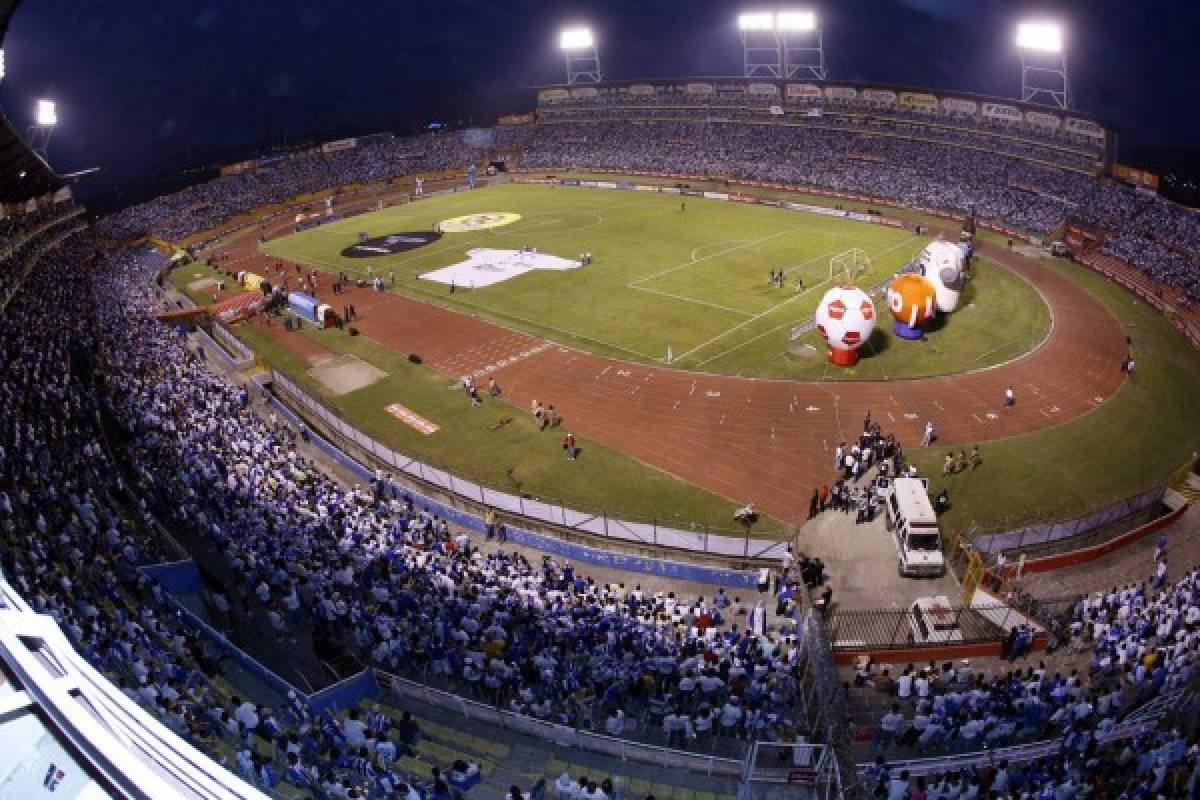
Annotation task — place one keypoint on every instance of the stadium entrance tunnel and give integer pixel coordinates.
(377, 246)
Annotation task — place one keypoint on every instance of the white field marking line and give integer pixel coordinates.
(684, 299)
(997, 349)
(813, 288)
(726, 308)
(600, 220)
(726, 251)
(500, 313)
(700, 247)
(535, 324)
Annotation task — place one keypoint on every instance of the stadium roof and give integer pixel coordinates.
(23, 173)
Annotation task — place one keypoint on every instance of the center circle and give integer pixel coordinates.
(477, 222)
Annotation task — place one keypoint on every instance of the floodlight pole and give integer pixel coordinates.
(583, 65)
(803, 54)
(1044, 78)
(762, 54)
(39, 139)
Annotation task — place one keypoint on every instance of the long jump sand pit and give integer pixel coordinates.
(202, 284)
(345, 374)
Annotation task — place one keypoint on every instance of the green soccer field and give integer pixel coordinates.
(694, 282)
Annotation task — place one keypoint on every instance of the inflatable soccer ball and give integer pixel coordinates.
(913, 301)
(845, 317)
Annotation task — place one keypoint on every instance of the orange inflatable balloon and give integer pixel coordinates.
(913, 299)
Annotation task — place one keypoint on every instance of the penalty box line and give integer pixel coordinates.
(741, 325)
(718, 306)
(751, 243)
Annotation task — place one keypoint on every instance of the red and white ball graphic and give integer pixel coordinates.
(845, 317)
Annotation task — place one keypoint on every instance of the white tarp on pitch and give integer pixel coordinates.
(485, 266)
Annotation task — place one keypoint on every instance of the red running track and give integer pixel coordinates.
(765, 441)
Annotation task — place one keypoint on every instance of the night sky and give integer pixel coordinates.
(147, 88)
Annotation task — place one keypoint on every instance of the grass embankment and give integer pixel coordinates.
(1132, 442)
(497, 445)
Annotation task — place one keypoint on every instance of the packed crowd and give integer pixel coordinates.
(1143, 639)
(917, 128)
(913, 172)
(21, 241)
(75, 531)
(665, 100)
(373, 160)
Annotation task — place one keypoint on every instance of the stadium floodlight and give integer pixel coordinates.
(47, 113)
(1044, 36)
(1043, 51)
(578, 46)
(45, 118)
(576, 39)
(781, 45)
(796, 21)
(756, 21)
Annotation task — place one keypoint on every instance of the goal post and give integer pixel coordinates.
(847, 266)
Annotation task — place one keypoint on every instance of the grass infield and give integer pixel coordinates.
(693, 281)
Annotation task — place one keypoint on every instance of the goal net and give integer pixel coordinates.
(845, 267)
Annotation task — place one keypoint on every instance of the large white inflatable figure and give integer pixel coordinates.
(942, 264)
(845, 317)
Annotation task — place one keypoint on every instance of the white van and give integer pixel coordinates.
(914, 528)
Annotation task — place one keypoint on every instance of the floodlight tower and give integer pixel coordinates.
(783, 44)
(800, 41)
(1043, 52)
(579, 50)
(45, 119)
(762, 52)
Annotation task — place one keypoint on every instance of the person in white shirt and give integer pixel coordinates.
(566, 787)
(246, 714)
(354, 729)
(731, 714)
(888, 725)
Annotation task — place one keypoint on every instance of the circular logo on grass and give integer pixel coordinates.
(477, 222)
(391, 244)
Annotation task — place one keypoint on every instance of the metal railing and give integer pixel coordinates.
(561, 735)
(893, 628)
(1030, 528)
(242, 355)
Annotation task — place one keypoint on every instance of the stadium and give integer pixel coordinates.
(767, 435)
